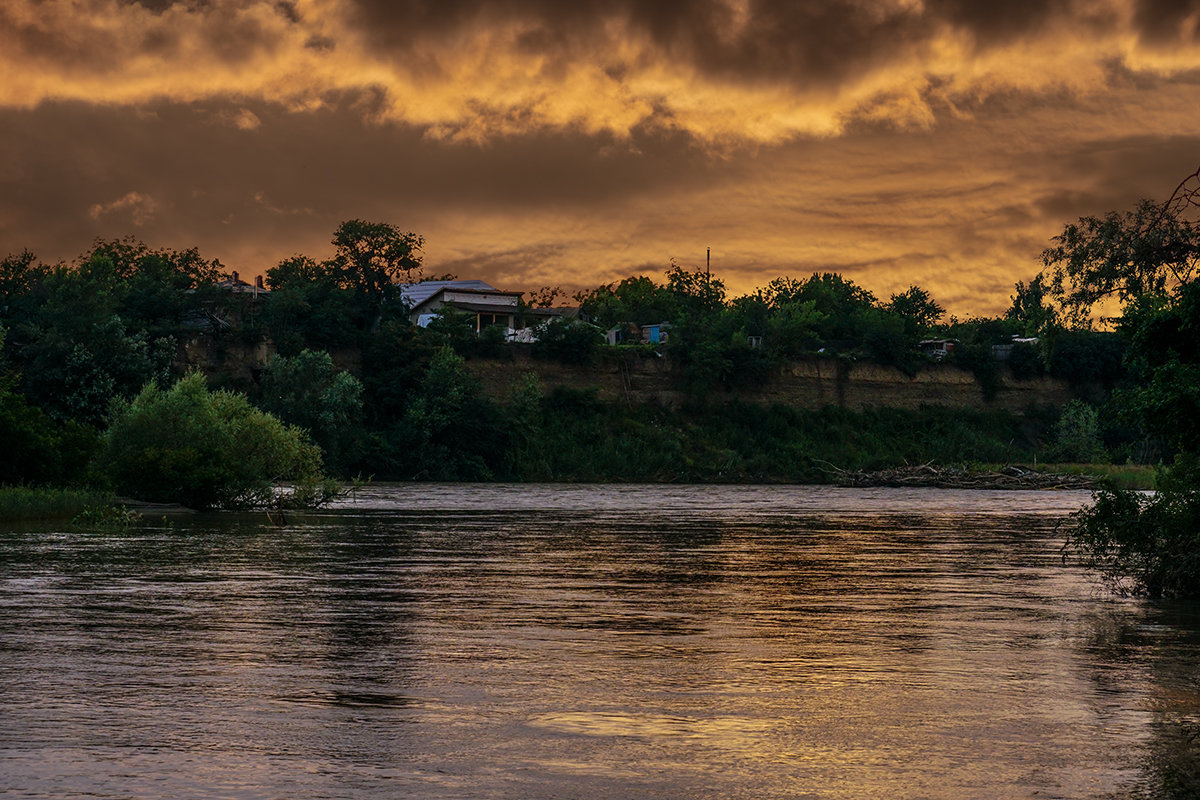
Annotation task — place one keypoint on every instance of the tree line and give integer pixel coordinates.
(91, 386)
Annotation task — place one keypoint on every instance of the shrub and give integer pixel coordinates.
(567, 341)
(203, 449)
(1077, 434)
(1141, 544)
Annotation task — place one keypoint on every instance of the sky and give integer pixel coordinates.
(553, 142)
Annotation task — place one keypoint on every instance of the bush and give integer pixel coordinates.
(1141, 544)
(568, 342)
(1026, 362)
(1077, 435)
(203, 449)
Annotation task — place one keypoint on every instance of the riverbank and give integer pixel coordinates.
(44, 502)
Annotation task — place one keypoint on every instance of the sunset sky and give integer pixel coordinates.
(574, 142)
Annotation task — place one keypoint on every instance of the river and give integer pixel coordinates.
(546, 641)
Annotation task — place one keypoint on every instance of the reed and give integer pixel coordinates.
(24, 502)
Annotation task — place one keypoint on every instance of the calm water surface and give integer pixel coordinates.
(586, 642)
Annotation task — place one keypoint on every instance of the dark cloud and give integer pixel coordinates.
(1167, 21)
(197, 175)
(799, 41)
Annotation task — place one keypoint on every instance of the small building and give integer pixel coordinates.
(238, 286)
(656, 333)
(1003, 352)
(937, 348)
(486, 304)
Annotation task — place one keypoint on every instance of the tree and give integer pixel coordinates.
(1077, 435)
(1146, 250)
(918, 310)
(695, 292)
(450, 430)
(1031, 307)
(307, 391)
(371, 259)
(1147, 544)
(635, 299)
(205, 450)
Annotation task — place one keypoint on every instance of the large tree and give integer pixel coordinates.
(372, 259)
(1147, 544)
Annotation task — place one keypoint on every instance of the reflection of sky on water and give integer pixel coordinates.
(483, 642)
(713, 502)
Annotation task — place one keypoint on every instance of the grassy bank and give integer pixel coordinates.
(23, 503)
(572, 436)
(1122, 476)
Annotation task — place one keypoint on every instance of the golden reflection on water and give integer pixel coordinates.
(724, 648)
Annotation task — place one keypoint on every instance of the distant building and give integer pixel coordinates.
(487, 304)
(1003, 352)
(238, 286)
(655, 333)
(938, 348)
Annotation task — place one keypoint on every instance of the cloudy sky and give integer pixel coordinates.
(573, 142)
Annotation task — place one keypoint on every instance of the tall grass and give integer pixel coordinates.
(23, 502)
(578, 438)
(1115, 476)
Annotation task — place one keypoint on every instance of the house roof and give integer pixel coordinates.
(416, 293)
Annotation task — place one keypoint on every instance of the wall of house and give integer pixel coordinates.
(809, 383)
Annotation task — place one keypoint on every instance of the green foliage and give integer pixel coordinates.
(307, 391)
(74, 374)
(1147, 250)
(918, 310)
(1026, 361)
(568, 341)
(38, 450)
(1032, 307)
(371, 259)
(454, 329)
(571, 435)
(1141, 544)
(104, 326)
(308, 307)
(106, 517)
(203, 449)
(395, 361)
(25, 502)
(1077, 435)
(1145, 544)
(695, 292)
(450, 430)
(636, 299)
(1083, 357)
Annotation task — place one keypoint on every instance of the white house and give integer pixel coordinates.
(487, 304)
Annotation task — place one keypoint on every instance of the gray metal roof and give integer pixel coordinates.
(416, 293)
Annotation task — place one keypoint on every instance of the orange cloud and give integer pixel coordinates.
(727, 77)
(141, 208)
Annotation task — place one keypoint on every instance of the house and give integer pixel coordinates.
(630, 332)
(1003, 352)
(485, 303)
(238, 286)
(938, 348)
(487, 306)
(655, 333)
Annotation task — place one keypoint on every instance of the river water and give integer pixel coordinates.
(458, 641)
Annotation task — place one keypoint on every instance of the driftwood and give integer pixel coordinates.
(955, 478)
